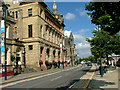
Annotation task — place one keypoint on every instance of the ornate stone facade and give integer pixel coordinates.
(14, 48)
(40, 31)
(70, 47)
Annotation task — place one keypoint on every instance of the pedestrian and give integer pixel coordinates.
(47, 64)
(58, 64)
(63, 64)
(40, 64)
(19, 66)
(66, 63)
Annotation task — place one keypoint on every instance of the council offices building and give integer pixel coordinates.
(11, 43)
(40, 31)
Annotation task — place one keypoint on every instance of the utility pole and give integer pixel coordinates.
(4, 8)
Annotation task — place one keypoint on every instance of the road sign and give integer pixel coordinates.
(2, 34)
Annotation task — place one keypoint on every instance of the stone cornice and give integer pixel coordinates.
(40, 40)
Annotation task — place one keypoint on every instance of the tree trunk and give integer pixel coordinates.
(107, 60)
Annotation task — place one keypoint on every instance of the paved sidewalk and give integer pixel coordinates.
(109, 80)
(33, 74)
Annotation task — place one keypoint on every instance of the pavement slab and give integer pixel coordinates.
(108, 81)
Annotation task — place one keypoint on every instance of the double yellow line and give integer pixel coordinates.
(88, 82)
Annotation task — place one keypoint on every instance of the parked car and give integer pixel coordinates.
(118, 63)
(83, 62)
(89, 63)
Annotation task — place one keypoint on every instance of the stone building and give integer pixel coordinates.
(70, 47)
(9, 26)
(12, 44)
(40, 31)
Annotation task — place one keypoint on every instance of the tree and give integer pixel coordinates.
(105, 14)
(115, 44)
(104, 44)
(90, 58)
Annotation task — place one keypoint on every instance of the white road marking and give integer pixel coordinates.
(72, 85)
(56, 78)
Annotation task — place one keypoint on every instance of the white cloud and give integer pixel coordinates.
(83, 50)
(83, 13)
(82, 31)
(82, 46)
(79, 38)
(69, 16)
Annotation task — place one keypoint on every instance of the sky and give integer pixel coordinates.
(77, 21)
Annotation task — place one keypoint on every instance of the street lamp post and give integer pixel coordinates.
(4, 8)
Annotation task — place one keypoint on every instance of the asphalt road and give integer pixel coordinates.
(62, 80)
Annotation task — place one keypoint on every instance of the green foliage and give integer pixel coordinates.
(90, 58)
(104, 44)
(105, 14)
(110, 58)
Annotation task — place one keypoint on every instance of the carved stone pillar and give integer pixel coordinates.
(51, 54)
(56, 55)
(43, 67)
(43, 54)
